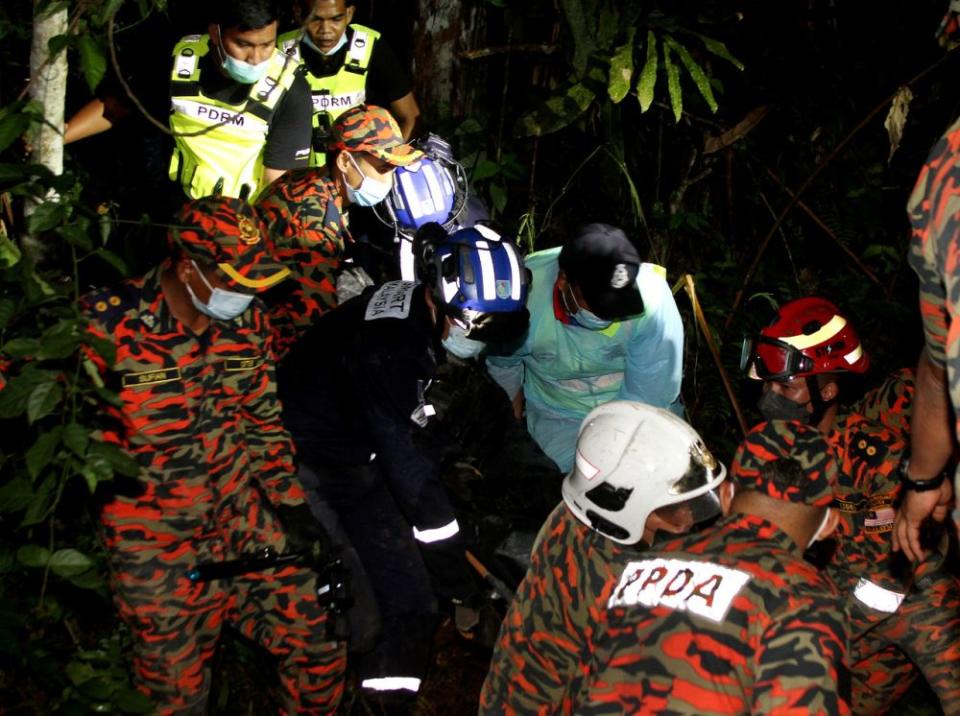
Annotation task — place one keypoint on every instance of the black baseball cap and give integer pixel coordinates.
(604, 264)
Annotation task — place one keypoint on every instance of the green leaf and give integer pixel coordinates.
(485, 169)
(111, 258)
(119, 460)
(42, 451)
(69, 562)
(715, 47)
(12, 127)
(648, 75)
(132, 702)
(46, 216)
(76, 234)
(557, 112)
(33, 555)
(673, 83)
(93, 61)
(90, 368)
(16, 495)
(700, 78)
(580, 25)
(61, 340)
(90, 579)
(80, 672)
(9, 251)
(7, 308)
(498, 196)
(621, 69)
(99, 689)
(42, 502)
(76, 437)
(103, 347)
(23, 347)
(44, 398)
(14, 397)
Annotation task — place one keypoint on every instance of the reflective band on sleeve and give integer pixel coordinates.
(392, 683)
(876, 597)
(827, 331)
(436, 534)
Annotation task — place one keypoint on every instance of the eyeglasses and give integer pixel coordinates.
(767, 358)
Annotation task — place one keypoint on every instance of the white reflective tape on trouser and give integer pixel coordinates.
(437, 534)
(875, 597)
(392, 683)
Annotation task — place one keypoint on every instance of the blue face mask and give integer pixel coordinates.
(583, 317)
(222, 305)
(459, 345)
(238, 70)
(371, 191)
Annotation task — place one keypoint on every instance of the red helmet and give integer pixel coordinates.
(808, 336)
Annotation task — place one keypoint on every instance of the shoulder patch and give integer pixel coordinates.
(391, 300)
(702, 588)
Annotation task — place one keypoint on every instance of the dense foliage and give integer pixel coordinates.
(690, 124)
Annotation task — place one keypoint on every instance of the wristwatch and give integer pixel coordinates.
(931, 483)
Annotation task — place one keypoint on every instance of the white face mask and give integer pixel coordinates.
(371, 191)
(308, 41)
(816, 535)
(222, 305)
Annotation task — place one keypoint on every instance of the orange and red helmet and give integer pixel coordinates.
(807, 337)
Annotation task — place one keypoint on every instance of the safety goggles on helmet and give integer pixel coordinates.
(765, 358)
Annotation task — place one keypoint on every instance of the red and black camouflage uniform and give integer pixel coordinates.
(903, 623)
(545, 642)
(308, 228)
(732, 620)
(199, 413)
(934, 210)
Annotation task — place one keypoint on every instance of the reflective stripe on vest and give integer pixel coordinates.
(228, 156)
(334, 95)
(437, 534)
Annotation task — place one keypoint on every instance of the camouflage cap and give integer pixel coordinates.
(228, 233)
(776, 440)
(372, 129)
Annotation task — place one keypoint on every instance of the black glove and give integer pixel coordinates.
(304, 533)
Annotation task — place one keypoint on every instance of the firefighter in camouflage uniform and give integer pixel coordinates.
(640, 471)
(305, 214)
(198, 411)
(935, 257)
(904, 619)
(733, 620)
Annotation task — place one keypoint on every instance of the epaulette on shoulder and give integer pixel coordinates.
(108, 305)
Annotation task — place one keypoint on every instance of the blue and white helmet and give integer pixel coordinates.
(423, 192)
(477, 277)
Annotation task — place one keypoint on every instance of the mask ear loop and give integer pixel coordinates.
(816, 535)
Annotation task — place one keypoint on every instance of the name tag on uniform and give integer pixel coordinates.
(391, 300)
(243, 363)
(150, 377)
(704, 589)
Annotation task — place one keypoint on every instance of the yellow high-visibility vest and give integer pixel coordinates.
(334, 95)
(227, 159)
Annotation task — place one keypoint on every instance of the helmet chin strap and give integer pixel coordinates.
(819, 404)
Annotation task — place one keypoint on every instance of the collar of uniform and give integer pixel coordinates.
(756, 527)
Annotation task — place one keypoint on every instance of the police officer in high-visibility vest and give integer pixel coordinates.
(240, 109)
(347, 65)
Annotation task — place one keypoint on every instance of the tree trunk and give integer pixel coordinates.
(443, 29)
(48, 88)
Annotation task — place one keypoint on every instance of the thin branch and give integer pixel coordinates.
(824, 163)
(827, 230)
(506, 49)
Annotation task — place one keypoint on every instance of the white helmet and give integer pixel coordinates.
(632, 459)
